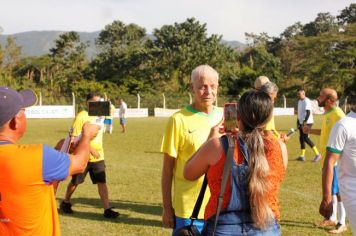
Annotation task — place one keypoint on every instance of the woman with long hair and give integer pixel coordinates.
(250, 203)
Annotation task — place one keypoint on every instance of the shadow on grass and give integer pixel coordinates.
(139, 207)
(301, 224)
(122, 219)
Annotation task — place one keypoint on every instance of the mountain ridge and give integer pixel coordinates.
(37, 43)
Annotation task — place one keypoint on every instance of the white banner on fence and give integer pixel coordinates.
(316, 109)
(281, 111)
(133, 112)
(50, 112)
(161, 112)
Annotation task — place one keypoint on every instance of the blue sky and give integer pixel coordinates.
(230, 18)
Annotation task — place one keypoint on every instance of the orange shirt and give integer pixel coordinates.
(27, 203)
(274, 158)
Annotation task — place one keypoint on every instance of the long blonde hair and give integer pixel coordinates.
(255, 110)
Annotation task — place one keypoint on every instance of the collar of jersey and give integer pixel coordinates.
(330, 110)
(191, 109)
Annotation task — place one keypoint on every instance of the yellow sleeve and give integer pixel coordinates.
(170, 142)
(270, 126)
(78, 124)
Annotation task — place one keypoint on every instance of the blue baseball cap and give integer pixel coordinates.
(12, 101)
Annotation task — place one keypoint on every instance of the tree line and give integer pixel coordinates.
(313, 55)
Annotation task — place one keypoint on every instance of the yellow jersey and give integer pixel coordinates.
(97, 143)
(185, 132)
(330, 118)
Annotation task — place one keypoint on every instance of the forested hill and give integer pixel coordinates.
(37, 43)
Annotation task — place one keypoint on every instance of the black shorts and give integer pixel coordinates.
(96, 171)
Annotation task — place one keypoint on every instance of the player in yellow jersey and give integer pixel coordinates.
(332, 114)
(96, 165)
(185, 132)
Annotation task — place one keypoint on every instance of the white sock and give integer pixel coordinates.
(334, 214)
(110, 129)
(342, 215)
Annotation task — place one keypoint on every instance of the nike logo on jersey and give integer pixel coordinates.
(191, 130)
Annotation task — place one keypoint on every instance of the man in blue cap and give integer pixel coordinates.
(27, 202)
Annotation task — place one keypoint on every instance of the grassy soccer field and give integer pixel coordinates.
(134, 170)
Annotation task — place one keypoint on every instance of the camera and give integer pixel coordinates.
(101, 108)
(230, 117)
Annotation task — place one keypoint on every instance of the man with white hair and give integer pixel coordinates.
(185, 132)
(260, 81)
(272, 90)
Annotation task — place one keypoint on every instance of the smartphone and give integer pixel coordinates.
(230, 117)
(99, 108)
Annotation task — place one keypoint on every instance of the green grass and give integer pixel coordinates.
(134, 171)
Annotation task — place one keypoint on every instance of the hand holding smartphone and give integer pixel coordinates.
(230, 117)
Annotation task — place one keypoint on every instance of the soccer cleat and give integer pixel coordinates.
(301, 159)
(109, 213)
(66, 207)
(339, 228)
(326, 223)
(317, 158)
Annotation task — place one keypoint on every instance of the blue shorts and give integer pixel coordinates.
(335, 184)
(181, 222)
(107, 121)
(122, 121)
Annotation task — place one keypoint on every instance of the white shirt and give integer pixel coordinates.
(303, 106)
(342, 140)
(122, 110)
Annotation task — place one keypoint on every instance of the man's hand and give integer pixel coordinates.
(306, 129)
(90, 130)
(326, 208)
(94, 153)
(284, 138)
(217, 130)
(168, 217)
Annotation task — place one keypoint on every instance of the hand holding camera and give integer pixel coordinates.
(230, 118)
(99, 109)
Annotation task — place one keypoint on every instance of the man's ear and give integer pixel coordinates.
(13, 123)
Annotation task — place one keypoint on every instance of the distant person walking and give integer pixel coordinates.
(108, 119)
(305, 117)
(123, 114)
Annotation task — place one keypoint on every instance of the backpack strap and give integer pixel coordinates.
(230, 140)
(199, 201)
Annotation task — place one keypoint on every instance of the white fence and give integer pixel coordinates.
(69, 112)
(277, 111)
(50, 112)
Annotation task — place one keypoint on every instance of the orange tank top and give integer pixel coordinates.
(27, 203)
(277, 171)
